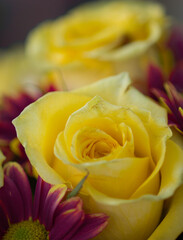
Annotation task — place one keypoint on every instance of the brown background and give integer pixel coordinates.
(18, 17)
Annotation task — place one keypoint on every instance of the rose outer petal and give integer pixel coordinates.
(41, 117)
(118, 90)
(172, 225)
(129, 219)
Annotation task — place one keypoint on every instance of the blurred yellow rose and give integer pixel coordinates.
(122, 139)
(99, 39)
(17, 73)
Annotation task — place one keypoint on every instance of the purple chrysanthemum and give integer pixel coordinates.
(48, 216)
(10, 108)
(168, 92)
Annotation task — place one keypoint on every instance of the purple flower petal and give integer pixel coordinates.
(3, 219)
(11, 107)
(172, 121)
(92, 226)
(65, 222)
(67, 205)
(176, 77)
(74, 229)
(174, 101)
(175, 43)
(11, 198)
(7, 131)
(155, 80)
(51, 88)
(41, 192)
(53, 199)
(16, 173)
(175, 96)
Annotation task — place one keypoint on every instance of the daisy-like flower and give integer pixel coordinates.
(169, 93)
(49, 216)
(169, 90)
(11, 107)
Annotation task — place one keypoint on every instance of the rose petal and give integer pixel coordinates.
(48, 121)
(111, 89)
(129, 219)
(172, 225)
(171, 171)
(117, 90)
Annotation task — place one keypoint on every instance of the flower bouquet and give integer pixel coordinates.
(85, 158)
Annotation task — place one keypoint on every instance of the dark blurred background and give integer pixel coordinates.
(18, 17)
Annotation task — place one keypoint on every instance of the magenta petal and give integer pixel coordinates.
(7, 131)
(175, 97)
(51, 88)
(53, 199)
(11, 198)
(16, 173)
(65, 206)
(172, 121)
(68, 204)
(92, 226)
(41, 191)
(155, 79)
(176, 77)
(37, 197)
(162, 96)
(24, 100)
(3, 219)
(74, 229)
(175, 43)
(174, 101)
(14, 105)
(65, 222)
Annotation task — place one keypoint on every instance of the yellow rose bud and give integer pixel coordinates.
(122, 139)
(99, 39)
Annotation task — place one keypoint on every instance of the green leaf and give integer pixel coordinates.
(76, 190)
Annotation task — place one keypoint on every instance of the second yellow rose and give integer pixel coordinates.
(99, 39)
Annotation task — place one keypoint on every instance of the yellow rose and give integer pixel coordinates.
(99, 39)
(122, 139)
(17, 73)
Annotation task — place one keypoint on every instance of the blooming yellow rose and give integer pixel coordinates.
(99, 39)
(122, 139)
(17, 73)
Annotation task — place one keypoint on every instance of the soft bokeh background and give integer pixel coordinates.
(18, 17)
